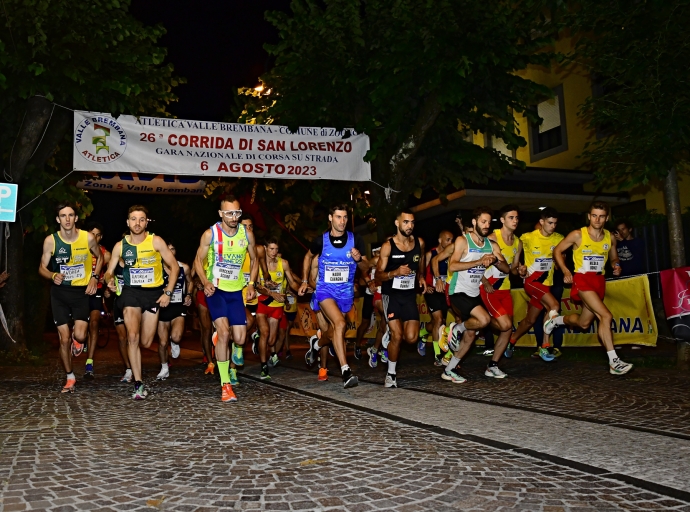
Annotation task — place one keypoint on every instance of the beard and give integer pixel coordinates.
(483, 232)
(405, 233)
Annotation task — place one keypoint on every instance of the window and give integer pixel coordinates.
(550, 137)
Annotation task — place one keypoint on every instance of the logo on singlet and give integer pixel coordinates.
(62, 250)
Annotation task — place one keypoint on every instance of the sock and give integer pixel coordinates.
(546, 344)
(553, 313)
(391, 367)
(164, 366)
(492, 364)
(344, 368)
(137, 383)
(89, 361)
(512, 341)
(437, 349)
(612, 355)
(558, 321)
(223, 370)
(70, 375)
(454, 361)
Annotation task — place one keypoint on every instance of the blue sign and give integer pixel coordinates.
(8, 202)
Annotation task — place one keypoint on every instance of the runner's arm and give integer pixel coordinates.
(263, 266)
(573, 239)
(96, 252)
(421, 272)
(190, 284)
(306, 266)
(110, 272)
(48, 247)
(381, 275)
(290, 276)
(515, 266)
(170, 260)
(454, 263)
(614, 259)
(500, 263)
(441, 256)
(253, 266)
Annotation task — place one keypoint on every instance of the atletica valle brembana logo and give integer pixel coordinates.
(100, 139)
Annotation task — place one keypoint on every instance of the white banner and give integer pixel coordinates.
(204, 148)
(144, 183)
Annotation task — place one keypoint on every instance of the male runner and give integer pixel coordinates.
(538, 270)
(171, 320)
(592, 247)
(340, 253)
(400, 267)
(144, 291)
(436, 301)
(271, 301)
(224, 247)
(495, 289)
(67, 261)
(472, 254)
(96, 300)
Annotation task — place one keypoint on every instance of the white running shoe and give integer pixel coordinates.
(495, 372)
(127, 377)
(140, 393)
(455, 337)
(550, 323)
(386, 338)
(163, 374)
(618, 367)
(453, 377)
(175, 349)
(390, 382)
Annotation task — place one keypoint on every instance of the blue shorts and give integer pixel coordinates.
(229, 305)
(313, 304)
(344, 305)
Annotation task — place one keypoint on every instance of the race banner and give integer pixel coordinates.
(675, 287)
(143, 183)
(214, 149)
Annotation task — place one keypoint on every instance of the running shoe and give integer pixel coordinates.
(488, 352)
(446, 358)
(204, 360)
(358, 352)
(443, 338)
(453, 377)
(237, 355)
(386, 338)
(545, 356)
(273, 361)
(227, 394)
(312, 353)
(438, 360)
(323, 374)
(233, 377)
(174, 349)
(288, 354)
(390, 382)
(210, 369)
(349, 380)
(331, 351)
(88, 371)
(140, 392)
(550, 322)
(455, 336)
(421, 348)
(373, 356)
(69, 386)
(214, 338)
(127, 377)
(556, 352)
(163, 374)
(617, 367)
(264, 374)
(383, 356)
(255, 343)
(77, 348)
(509, 351)
(495, 372)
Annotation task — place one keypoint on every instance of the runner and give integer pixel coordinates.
(272, 299)
(67, 260)
(340, 254)
(205, 324)
(144, 292)
(366, 281)
(538, 270)
(290, 318)
(436, 301)
(119, 319)
(400, 267)
(324, 329)
(495, 289)
(171, 320)
(224, 246)
(592, 247)
(96, 300)
(473, 253)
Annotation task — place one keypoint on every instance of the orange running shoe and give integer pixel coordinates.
(228, 394)
(77, 348)
(210, 369)
(323, 374)
(214, 338)
(69, 386)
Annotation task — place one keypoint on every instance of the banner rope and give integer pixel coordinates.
(46, 190)
(386, 190)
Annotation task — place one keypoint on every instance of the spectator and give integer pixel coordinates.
(631, 251)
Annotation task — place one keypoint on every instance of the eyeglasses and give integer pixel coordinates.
(232, 213)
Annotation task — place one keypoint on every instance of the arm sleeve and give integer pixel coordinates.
(316, 245)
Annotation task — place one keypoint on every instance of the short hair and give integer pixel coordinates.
(508, 208)
(138, 208)
(229, 198)
(481, 210)
(548, 213)
(625, 222)
(64, 204)
(404, 211)
(340, 206)
(599, 205)
(92, 224)
(248, 216)
(272, 240)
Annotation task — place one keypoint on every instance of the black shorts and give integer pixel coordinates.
(400, 307)
(251, 308)
(437, 302)
(291, 315)
(69, 303)
(172, 311)
(96, 302)
(465, 304)
(118, 315)
(143, 298)
(367, 306)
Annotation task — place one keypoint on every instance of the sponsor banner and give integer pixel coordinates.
(204, 148)
(143, 183)
(675, 287)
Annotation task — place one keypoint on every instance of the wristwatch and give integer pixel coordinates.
(168, 293)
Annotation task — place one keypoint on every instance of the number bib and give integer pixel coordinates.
(73, 272)
(404, 282)
(543, 264)
(334, 274)
(290, 299)
(140, 276)
(594, 263)
(475, 274)
(226, 271)
(247, 277)
(176, 296)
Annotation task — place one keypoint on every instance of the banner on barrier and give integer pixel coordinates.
(204, 148)
(144, 183)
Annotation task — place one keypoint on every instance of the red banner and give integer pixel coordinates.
(675, 286)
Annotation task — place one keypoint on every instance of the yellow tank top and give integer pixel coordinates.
(278, 277)
(591, 256)
(538, 251)
(73, 259)
(498, 279)
(246, 267)
(143, 263)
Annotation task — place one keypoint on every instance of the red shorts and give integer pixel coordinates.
(377, 296)
(201, 298)
(283, 323)
(498, 303)
(269, 311)
(587, 282)
(536, 290)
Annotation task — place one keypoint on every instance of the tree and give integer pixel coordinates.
(80, 55)
(417, 77)
(638, 54)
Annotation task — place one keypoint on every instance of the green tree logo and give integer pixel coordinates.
(101, 141)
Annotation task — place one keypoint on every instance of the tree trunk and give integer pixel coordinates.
(675, 222)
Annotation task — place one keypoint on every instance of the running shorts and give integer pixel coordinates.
(283, 323)
(201, 298)
(291, 315)
(367, 307)
(588, 282)
(95, 302)
(536, 290)
(400, 307)
(344, 305)
(498, 303)
(313, 304)
(270, 312)
(143, 298)
(118, 316)
(173, 311)
(465, 304)
(228, 305)
(437, 302)
(251, 308)
(69, 303)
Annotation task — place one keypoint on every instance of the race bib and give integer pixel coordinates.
(594, 263)
(290, 299)
(73, 272)
(404, 282)
(247, 277)
(226, 271)
(176, 296)
(334, 274)
(140, 276)
(543, 264)
(475, 274)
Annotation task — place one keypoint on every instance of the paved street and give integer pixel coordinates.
(561, 437)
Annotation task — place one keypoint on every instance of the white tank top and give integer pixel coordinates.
(468, 281)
